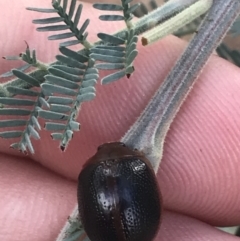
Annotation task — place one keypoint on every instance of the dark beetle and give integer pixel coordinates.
(118, 195)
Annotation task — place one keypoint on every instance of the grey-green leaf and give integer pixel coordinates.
(70, 62)
(7, 74)
(106, 58)
(83, 28)
(133, 8)
(15, 146)
(69, 134)
(12, 123)
(60, 100)
(52, 115)
(153, 4)
(109, 66)
(61, 82)
(28, 143)
(91, 63)
(108, 52)
(111, 17)
(112, 77)
(75, 126)
(131, 57)
(107, 7)
(48, 20)
(110, 38)
(20, 91)
(129, 70)
(90, 76)
(33, 132)
(10, 134)
(87, 90)
(134, 39)
(130, 49)
(88, 83)
(61, 36)
(125, 2)
(71, 10)
(77, 15)
(92, 71)
(60, 108)
(110, 47)
(44, 102)
(42, 10)
(34, 58)
(57, 89)
(85, 36)
(64, 6)
(57, 136)
(69, 43)
(13, 111)
(51, 126)
(35, 123)
(24, 67)
(86, 97)
(30, 80)
(15, 101)
(62, 74)
(69, 70)
(74, 55)
(12, 57)
(53, 28)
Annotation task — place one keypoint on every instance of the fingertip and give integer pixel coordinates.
(177, 227)
(200, 170)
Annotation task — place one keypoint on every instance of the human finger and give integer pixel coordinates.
(192, 182)
(177, 227)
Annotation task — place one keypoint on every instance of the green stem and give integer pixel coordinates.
(41, 66)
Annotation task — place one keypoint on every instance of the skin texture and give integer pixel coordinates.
(199, 174)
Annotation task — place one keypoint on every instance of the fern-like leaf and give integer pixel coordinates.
(67, 21)
(67, 87)
(31, 123)
(125, 8)
(116, 57)
(111, 39)
(116, 53)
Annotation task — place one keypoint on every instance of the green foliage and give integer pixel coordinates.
(111, 53)
(116, 57)
(66, 20)
(71, 81)
(67, 87)
(17, 107)
(57, 96)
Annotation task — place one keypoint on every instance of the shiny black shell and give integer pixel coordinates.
(118, 195)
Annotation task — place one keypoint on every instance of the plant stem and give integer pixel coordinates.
(160, 15)
(183, 18)
(72, 228)
(148, 132)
